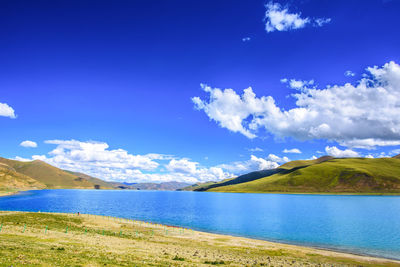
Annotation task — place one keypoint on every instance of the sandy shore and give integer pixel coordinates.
(88, 240)
(8, 193)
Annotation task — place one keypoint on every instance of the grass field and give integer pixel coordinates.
(38, 239)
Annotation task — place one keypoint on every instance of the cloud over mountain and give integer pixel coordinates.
(97, 159)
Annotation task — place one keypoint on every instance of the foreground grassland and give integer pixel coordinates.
(97, 240)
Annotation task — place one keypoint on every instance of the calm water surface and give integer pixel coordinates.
(358, 224)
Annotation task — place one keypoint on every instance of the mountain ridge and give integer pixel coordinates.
(322, 175)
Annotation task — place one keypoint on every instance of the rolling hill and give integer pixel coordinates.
(12, 180)
(50, 176)
(323, 175)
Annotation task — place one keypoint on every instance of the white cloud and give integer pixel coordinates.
(254, 164)
(97, 154)
(368, 143)
(7, 111)
(96, 159)
(297, 84)
(246, 39)
(22, 159)
(255, 149)
(337, 153)
(278, 18)
(277, 159)
(182, 165)
(349, 73)
(321, 21)
(28, 143)
(293, 150)
(363, 115)
(227, 108)
(395, 152)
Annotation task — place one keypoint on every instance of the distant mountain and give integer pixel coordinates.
(323, 175)
(165, 186)
(98, 183)
(50, 176)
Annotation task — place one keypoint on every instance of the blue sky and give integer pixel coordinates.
(136, 90)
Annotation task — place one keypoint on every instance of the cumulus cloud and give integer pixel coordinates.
(293, 150)
(321, 21)
(361, 115)
(297, 84)
(97, 154)
(182, 165)
(228, 109)
(7, 111)
(254, 164)
(349, 73)
(275, 158)
(28, 143)
(337, 153)
(255, 149)
(278, 18)
(97, 159)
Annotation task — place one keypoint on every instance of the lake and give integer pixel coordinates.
(358, 224)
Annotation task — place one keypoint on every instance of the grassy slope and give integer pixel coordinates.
(10, 180)
(352, 175)
(49, 175)
(144, 245)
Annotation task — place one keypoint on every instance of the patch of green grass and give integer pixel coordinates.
(177, 258)
(216, 262)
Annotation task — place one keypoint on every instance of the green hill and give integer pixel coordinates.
(48, 175)
(323, 175)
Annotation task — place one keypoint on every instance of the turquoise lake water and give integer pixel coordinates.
(358, 224)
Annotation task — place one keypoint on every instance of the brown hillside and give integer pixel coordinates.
(12, 180)
(46, 174)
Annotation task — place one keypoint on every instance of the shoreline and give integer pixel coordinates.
(8, 193)
(315, 249)
(243, 242)
(301, 246)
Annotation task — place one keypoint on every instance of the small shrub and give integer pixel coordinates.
(176, 258)
(214, 262)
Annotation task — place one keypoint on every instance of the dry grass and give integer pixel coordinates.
(96, 240)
